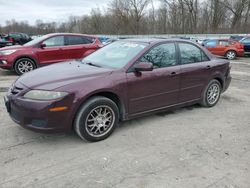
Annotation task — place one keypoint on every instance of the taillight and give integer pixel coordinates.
(11, 40)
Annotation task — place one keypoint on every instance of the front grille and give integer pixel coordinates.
(15, 90)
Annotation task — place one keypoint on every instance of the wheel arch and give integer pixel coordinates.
(108, 94)
(25, 56)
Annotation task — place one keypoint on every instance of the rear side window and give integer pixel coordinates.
(77, 40)
(191, 54)
(54, 41)
(163, 55)
(210, 44)
(223, 43)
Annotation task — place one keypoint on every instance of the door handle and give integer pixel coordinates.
(172, 74)
(208, 67)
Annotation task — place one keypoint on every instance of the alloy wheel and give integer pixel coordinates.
(213, 93)
(25, 66)
(100, 121)
(231, 55)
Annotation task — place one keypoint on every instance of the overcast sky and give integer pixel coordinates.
(46, 10)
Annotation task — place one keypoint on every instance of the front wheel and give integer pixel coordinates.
(96, 119)
(24, 65)
(231, 55)
(211, 94)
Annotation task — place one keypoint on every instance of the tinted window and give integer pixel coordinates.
(223, 43)
(161, 56)
(54, 41)
(191, 54)
(76, 40)
(210, 44)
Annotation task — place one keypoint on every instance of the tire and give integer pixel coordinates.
(90, 121)
(231, 54)
(211, 94)
(24, 65)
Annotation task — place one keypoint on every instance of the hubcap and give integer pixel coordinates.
(230, 55)
(100, 121)
(213, 94)
(25, 66)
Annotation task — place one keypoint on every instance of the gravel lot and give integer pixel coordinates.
(186, 148)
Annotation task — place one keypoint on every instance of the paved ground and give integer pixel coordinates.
(191, 147)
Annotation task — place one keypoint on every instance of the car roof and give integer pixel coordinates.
(70, 34)
(156, 40)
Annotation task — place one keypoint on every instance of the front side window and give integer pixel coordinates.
(191, 54)
(54, 41)
(161, 56)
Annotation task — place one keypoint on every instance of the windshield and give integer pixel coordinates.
(115, 55)
(36, 40)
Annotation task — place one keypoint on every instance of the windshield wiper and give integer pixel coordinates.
(92, 64)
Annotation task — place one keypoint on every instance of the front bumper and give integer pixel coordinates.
(35, 115)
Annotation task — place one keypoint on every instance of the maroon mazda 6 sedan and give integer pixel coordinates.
(123, 80)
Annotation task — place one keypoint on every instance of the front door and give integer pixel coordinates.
(52, 50)
(158, 88)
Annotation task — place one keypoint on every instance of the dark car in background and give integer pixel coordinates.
(121, 81)
(246, 43)
(48, 49)
(5, 40)
(225, 47)
(19, 38)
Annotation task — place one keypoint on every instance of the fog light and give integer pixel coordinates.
(4, 62)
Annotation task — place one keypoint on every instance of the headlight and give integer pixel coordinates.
(44, 95)
(7, 52)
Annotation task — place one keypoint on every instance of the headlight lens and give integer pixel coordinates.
(7, 52)
(44, 95)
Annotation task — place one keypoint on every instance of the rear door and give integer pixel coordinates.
(195, 71)
(150, 90)
(52, 52)
(78, 47)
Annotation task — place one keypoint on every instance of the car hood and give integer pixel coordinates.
(54, 76)
(15, 47)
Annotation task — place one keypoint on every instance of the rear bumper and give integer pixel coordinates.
(240, 53)
(227, 83)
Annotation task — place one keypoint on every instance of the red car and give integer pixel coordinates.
(121, 81)
(224, 47)
(48, 49)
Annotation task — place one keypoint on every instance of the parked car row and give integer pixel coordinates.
(235, 46)
(14, 38)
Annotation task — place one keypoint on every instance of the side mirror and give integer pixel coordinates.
(42, 45)
(143, 66)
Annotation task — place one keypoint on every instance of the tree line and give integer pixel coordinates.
(133, 17)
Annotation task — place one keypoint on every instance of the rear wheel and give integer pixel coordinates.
(96, 119)
(231, 54)
(24, 65)
(211, 94)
